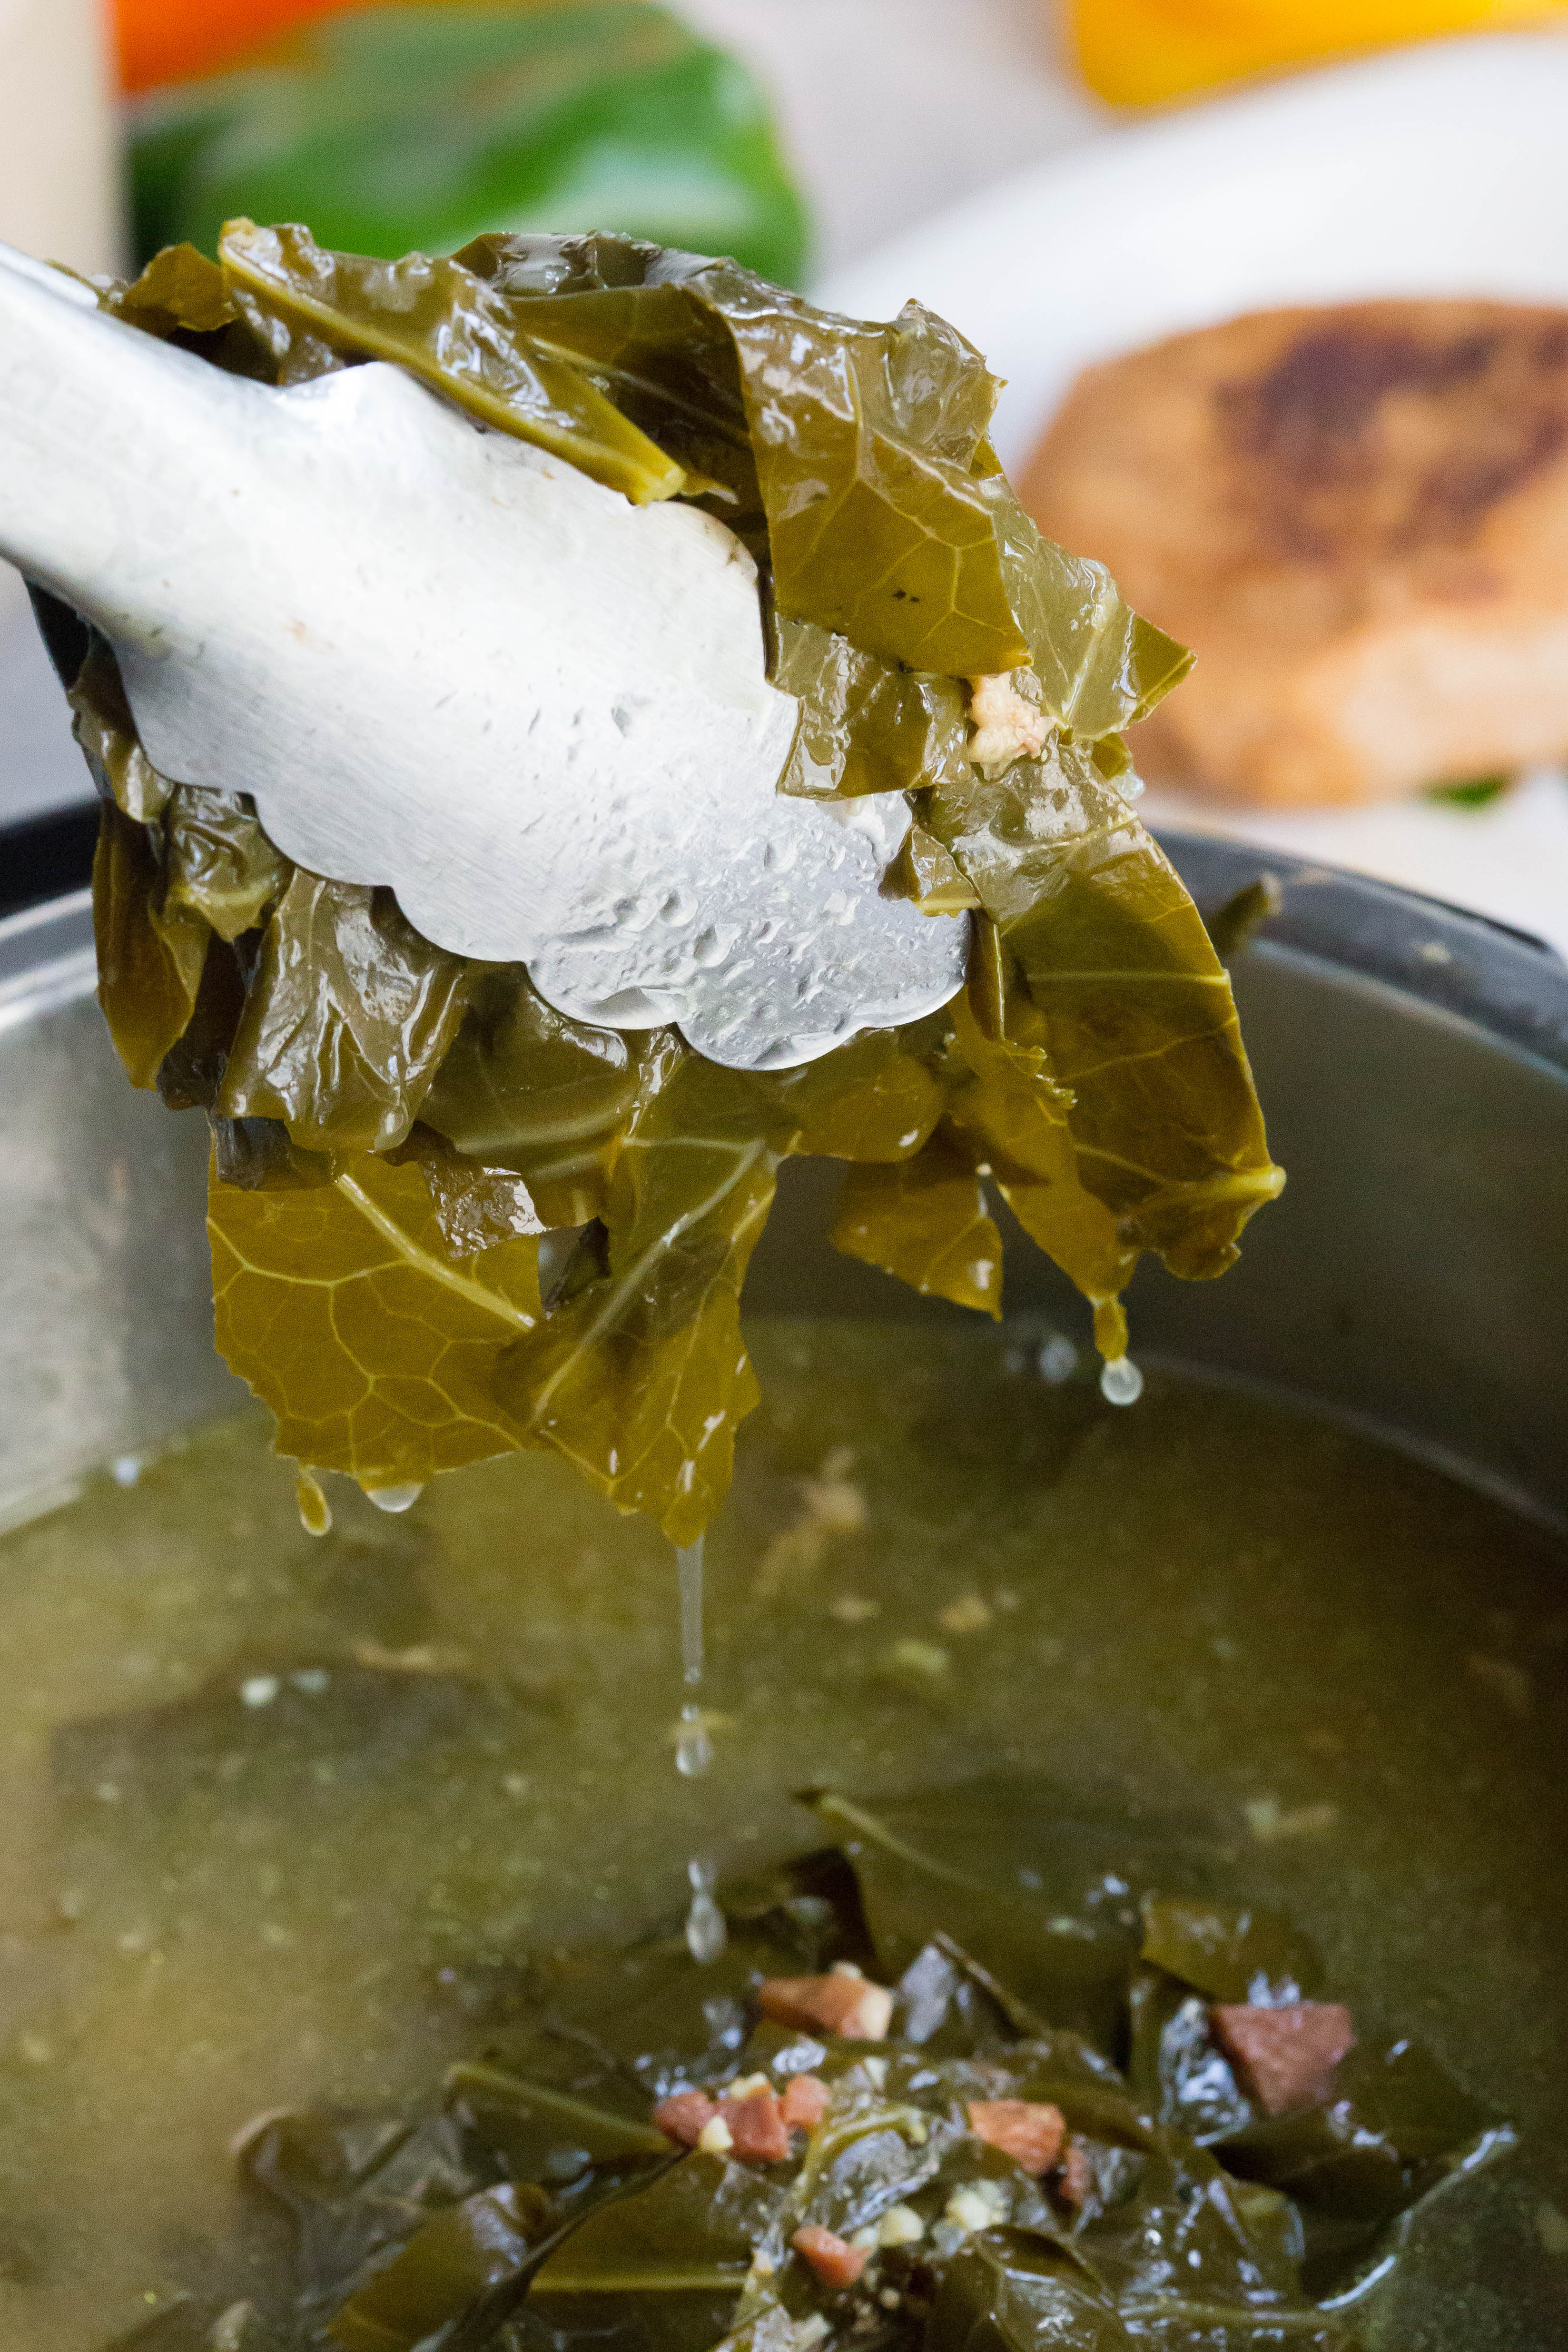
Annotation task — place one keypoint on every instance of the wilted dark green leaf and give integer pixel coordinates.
(924, 1219)
(1137, 1024)
(349, 1016)
(865, 727)
(1010, 2291)
(1230, 1954)
(523, 1088)
(691, 2232)
(1100, 666)
(444, 324)
(1092, 1067)
(149, 955)
(375, 1353)
(641, 1377)
(445, 2268)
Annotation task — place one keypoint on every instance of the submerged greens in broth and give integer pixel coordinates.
(541, 2205)
(394, 1125)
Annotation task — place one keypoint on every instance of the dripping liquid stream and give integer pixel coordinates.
(693, 1751)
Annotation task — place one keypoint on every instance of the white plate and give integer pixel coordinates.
(1439, 170)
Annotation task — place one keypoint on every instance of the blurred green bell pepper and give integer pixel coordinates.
(402, 128)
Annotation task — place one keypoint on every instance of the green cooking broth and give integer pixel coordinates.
(283, 1815)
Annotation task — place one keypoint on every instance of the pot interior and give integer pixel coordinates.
(286, 1817)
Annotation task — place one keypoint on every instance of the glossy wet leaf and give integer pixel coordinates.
(221, 863)
(1163, 2243)
(642, 1375)
(1137, 1023)
(374, 1352)
(1397, 2131)
(1227, 1953)
(449, 2264)
(103, 725)
(181, 291)
(357, 2187)
(691, 2232)
(149, 955)
(945, 1865)
(1177, 2069)
(523, 1088)
(346, 1021)
(1101, 666)
(476, 1206)
(437, 319)
(876, 1098)
(1014, 1115)
(1009, 2291)
(863, 438)
(924, 1220)
(932, 877)
(865, 726)
(525, 2120)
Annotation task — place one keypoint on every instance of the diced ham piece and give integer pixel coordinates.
(835, 2263)
(1075, 2174)
(1286, 2055)
(806, 2102)
(758, 2133)
(1028, 2130)
(843, 2002)
(683, 2117)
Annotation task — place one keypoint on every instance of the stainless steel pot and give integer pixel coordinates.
(1413, 1062)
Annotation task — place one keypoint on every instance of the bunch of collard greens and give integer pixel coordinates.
(538, 2211)
(393, 1124)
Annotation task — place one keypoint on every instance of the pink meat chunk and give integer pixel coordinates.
(1028, 2130)
(806, 2102)
(842, 2002)
(758, 2133)
(835, 2263)
(685, 2116)
(1285, 2056)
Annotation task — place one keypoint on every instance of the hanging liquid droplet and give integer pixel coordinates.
(694, 1748)
(315, 1511)
(706, 1934)
(689, 1570)
(1121, 1382)
(396, 1498)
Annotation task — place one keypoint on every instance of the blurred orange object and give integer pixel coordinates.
(175, 40)
(1143, 52)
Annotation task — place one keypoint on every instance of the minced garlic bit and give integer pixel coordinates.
(1008, 727)
(714, 2139)
(966, 2209)
(900, 2226)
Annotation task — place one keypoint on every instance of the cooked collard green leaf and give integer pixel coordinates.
(372, 1094)
(375, 1351)
(924, 1220)
(347, 1019)
(438, 320)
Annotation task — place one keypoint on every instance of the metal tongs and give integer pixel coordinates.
(444, 661)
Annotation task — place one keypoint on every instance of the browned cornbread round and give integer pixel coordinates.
(1358, 517)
